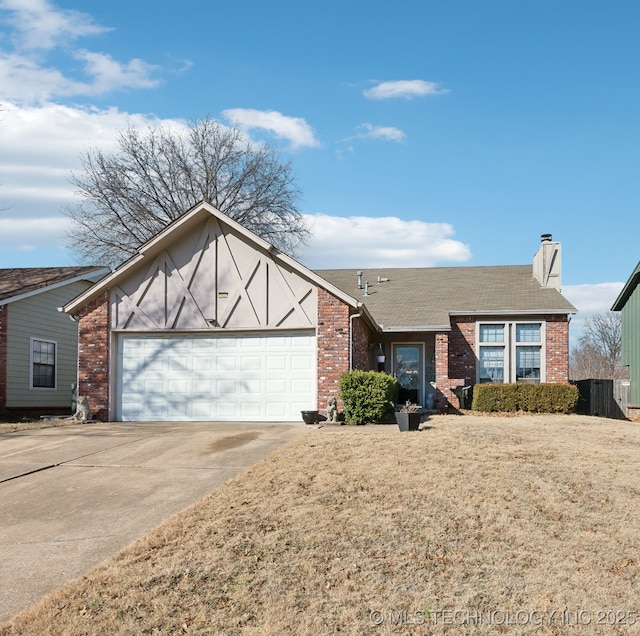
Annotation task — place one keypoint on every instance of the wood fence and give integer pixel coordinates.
(604, 398)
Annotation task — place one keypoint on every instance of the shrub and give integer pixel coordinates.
(531, 398)
(367, 395)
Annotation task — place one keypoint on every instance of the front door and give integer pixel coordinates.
(408, 367)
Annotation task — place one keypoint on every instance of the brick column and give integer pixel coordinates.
(333, 346)
(557, 351)
(462, 344)
(93, 356)
(443, 391)
(4, 316)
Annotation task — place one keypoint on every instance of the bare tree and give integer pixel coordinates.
(598, 351)
(156, 175)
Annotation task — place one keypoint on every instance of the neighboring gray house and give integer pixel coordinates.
(38, 343)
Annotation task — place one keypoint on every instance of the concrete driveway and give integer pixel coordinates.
(72, 496)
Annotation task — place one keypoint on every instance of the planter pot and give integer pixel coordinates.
(408, 421)
(309, 417)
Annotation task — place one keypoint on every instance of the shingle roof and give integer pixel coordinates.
(425, 298)
(18, 281)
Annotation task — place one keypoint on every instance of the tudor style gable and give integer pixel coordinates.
(213, 277)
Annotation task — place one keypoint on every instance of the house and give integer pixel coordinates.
(628, 302)
(38, 343)
(210, 322)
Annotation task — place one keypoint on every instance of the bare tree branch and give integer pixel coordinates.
(156, 175)
(597, 354)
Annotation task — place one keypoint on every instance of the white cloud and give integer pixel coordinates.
(294, 129)
(360, 241)
(405, 89)
(37, 28)
(108, 75)
(589, 299)
(42, 145)
(592, 298)
(24, 235)
(386, 133)
(53, 136)
(38, 25)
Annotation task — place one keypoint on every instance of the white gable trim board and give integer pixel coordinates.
(262, 377)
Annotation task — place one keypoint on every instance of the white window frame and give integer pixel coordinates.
(510, 346)
(55, 365)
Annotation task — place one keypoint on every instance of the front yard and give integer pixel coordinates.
(477, 524)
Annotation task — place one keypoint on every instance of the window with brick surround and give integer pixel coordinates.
(43, 363)
(510, 352)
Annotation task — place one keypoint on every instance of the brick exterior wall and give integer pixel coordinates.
(4, 316)
(360, 339)
(333, 346)
(93, 356)
(462, 350)
(443, 391)
(557, 354)
(456, 357)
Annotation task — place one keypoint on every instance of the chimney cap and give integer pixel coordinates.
(545, 237)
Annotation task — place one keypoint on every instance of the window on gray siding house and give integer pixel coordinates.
(510, 352)
(43, 364)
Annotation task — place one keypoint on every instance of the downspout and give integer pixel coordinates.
(358, 315)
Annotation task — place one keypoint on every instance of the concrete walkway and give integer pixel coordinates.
(72, 496)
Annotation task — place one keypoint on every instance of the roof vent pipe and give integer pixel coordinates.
(366, 287)
(359, 280)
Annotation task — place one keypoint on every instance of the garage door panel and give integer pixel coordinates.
(246, 377)
(251, 363)
(301, 387)
(276, 362)
(277, 410)
(277, 386)
(201, 363)
(251, 387)
(201, 410)
(300, 363)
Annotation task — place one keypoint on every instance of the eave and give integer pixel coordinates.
(627, 290)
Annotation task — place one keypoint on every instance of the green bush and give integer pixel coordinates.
(531, 398)
(366, 396)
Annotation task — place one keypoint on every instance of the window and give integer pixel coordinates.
(491, 333)
(528, 356)
(492, 364)
(43, 364)
(528, 364)
(510, 352)
(528, 333)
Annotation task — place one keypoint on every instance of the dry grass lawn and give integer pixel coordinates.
(478, 525)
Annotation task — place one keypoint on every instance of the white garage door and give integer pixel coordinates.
(246, 377)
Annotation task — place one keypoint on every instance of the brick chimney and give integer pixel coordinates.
(547, 263)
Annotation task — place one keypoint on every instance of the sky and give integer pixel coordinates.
(434, 133)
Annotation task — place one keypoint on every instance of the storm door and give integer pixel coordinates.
(408, 368)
